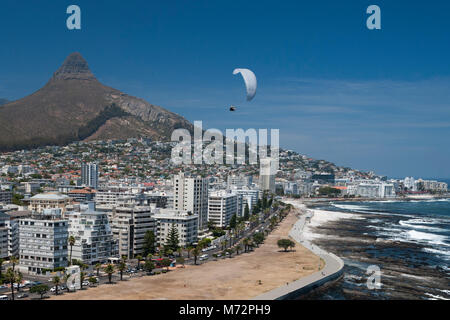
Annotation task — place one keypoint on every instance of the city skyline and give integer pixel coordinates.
(337, 91)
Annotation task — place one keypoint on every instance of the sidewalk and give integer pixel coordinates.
(332, 270)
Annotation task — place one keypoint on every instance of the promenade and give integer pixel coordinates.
(333, 265)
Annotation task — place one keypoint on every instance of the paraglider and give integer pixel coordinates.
(250, 82)
(232, 108)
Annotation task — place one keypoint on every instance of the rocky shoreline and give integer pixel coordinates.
(406, 273)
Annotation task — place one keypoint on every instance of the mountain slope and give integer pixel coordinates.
(74, 99)
(3, 101)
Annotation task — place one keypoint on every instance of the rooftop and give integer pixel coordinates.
(49, 196)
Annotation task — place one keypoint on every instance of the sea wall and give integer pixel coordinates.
(333, 267)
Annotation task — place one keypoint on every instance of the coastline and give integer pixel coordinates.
(386, 234)
(332, 270)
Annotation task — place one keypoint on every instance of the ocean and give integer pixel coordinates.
(408, 240)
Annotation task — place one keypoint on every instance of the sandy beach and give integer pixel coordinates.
(228, 279)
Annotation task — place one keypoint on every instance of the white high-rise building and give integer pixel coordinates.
(222, 205)
(129, 225)
(3, 235)
(375, 190)
(191, 195)
(267, 175)
(12, 225)
(43, 241)
(410, 183)
(247, 196)
(185, 223)
(94, 241)
(89, 175)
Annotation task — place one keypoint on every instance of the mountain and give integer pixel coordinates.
(75, 106)
(3, 101)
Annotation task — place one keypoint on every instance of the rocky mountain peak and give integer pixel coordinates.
(75, 67)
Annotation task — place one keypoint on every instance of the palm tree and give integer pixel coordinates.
(109, 270)
(97, 267)
(19, 279)
(10, 277)
(122, 267)
(139, 258)
(82, 277)
(71, 244)
(66, 280)
(56, 281)
(246, 241)
(189, 249)
(14, 260)
(238, 248)
(180, 252)
(195, 253)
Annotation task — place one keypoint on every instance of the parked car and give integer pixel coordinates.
(4, 297)
(203, 257)
(22, 296)
(53, 289)
(85, 283)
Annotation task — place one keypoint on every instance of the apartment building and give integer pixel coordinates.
(191, 195)
(222, 205)
(43, 241)
(94, 242)
(43, 201)
(89, 175)
(267, 175)
(12, 225)
(129, 225)
(5, 197)
(3, 236)
(246, 196)
(185, 222)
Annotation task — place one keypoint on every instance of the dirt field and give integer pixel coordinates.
(228, 279)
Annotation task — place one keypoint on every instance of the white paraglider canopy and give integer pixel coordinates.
(250, 81)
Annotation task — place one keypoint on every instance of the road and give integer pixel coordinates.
(103, 278)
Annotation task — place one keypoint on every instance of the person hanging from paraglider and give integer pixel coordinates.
(250, 84)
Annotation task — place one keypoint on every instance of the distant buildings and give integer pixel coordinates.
(89, 175)
(267, 175)
(420, 185)
(375, 190)
(43, 241)
(191, 195)
(239, 181)
(5, 197)
(222, 205)
(82, 195)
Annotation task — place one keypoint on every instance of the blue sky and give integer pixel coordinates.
(372, 100)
